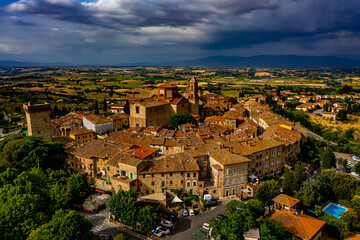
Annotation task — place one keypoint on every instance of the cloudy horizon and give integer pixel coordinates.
(125, 31)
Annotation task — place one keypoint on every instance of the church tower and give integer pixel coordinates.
(194, 96)
(38, 120)
(193, 89)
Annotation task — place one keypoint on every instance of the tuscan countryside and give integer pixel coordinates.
(179, 120)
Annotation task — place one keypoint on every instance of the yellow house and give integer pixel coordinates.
(120, 121)
(82, 135)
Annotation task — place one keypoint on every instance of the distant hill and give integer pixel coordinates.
(266, 61)
(269, 61)
(8, 63)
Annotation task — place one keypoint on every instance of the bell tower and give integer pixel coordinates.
(193, 90)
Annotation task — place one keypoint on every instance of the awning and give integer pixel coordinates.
(176, 199)
(246, 191)
(253, 177)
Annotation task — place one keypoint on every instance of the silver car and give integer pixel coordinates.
(167, 223)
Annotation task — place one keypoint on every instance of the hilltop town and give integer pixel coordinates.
(278, 152)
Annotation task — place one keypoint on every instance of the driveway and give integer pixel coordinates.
(188, 227)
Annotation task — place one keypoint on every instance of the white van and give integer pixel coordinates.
(208, 197)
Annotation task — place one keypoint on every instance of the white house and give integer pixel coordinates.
(98, 123)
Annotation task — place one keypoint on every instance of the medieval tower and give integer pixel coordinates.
(194, 96)
(38, 120)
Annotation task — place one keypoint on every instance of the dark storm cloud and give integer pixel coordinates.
(138, 12)
(71, 11)
(179, 26)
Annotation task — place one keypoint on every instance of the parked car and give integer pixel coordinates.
(221, 217)
(355, 158)
(191, 212)
(171, 218)
(206, 226)
(157, 233)
(212, 200)
(163, 230)
(167, 223)
(185, 213)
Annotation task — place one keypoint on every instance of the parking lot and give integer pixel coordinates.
(191, 227)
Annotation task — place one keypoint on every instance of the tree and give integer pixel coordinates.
(287, 182)
(104, 105)
(234, 205)
(147, 218)
(23, 153)
(357, 167)
(351, 219)
(342, 116)
(233, 227)
(355, 203)
(96, 107)
(336, 226)
(318, 210)
(267, 191)
(20, 212)
(299, 174)
(78, 188)
(328, 159)
(124, 207)
(65, 224)
(121, 237)
(127, 107)
(256, 207)
(337, 185)
(179, 119)
(272, 230)
(309, 194)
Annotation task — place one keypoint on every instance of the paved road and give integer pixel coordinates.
(182, 231)
(187, 225)
(102, 225)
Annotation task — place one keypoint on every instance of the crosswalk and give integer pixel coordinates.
(98, 228)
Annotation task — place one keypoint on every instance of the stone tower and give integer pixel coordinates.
(38, 120)
(194, 96)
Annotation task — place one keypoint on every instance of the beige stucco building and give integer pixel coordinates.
(157, 110)
(38, 120)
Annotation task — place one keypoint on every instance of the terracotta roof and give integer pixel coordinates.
(97, 119)
(122, 179)
(119, 116)
(300, 225)
(217, 167)
(178, 100)
(252, 146)
(280, 133)
(214, 119)
(171, 163)
(286, 200)
(79, 131)
(353, 236)
(97, 148)
(224, 157)
(234, 115)
(124, 158)
(153, 103)
(141, 152)
(167, 85)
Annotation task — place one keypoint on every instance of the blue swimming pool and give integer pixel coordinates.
(335, 210)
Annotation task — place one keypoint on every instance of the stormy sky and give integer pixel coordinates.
(125, 31)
